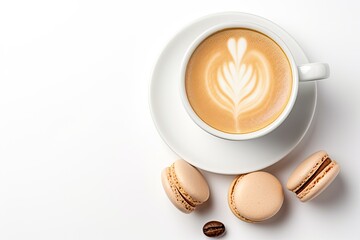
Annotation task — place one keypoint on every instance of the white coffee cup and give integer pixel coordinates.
(302, 73)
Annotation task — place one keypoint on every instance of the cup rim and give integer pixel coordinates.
(239, 136)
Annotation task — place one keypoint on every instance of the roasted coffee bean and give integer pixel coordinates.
(214, 229)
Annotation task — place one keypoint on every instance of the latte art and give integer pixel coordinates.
(238, 80)
(241, 84)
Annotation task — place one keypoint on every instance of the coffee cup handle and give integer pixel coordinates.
(313, 71)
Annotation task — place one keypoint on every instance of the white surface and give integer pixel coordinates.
(191, 142)
(79, 155)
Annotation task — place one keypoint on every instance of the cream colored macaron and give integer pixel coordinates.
(185, 186)
(255, 197)
(313, 176)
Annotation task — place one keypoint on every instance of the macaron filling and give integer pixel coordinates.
(324, 164)
(179, 197)
(176, 188)
(193, 202)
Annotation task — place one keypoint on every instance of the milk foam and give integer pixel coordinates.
(240, 85)
(238, 80)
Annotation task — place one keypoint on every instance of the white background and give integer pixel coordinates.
(80, 157)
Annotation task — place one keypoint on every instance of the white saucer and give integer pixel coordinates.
(200, 148)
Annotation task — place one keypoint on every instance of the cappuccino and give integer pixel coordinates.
(238, 80)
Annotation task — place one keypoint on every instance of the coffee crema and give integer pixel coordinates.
(238, 80)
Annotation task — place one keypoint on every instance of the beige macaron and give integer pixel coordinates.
(185, 186)
(255, 197)
(313, 176)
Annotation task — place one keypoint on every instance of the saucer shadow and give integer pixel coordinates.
(286, 163)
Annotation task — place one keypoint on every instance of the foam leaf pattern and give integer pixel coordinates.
(241, 84)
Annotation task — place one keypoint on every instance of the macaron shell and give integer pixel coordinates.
(231, 201)
(320, 183)
(256, 197)
(305, 170)
(190, 182)
(173, 194)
